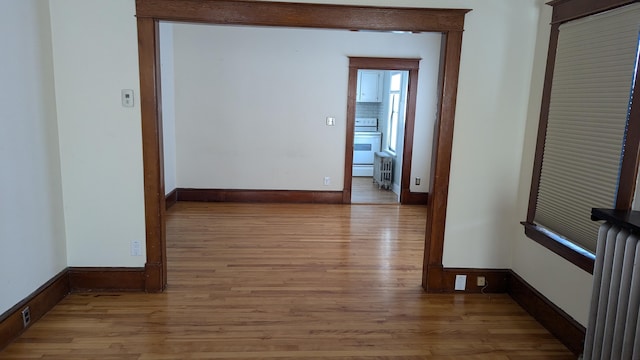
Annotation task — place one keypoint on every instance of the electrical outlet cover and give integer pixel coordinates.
(461, 282)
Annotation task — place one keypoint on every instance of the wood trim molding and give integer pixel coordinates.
(321, 16)
(441, 162)
(71, 279)
(567, 10)
(497, 280)
(409, 127)
(411, 65)
(579, 259)
(260, 196)
(450, 22)
(39, 302)
(89, 279)
(351, 120)
(542, 125)
(375, 63)
(559, 323)
(414, 198)
(555, 320)
(152, 153)
(170, 199)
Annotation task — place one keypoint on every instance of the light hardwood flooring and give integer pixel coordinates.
(364, 191)
(275, 281)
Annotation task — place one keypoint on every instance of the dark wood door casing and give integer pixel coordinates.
(412, 66)
(450, 22)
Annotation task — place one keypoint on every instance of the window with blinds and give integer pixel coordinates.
(593, 79)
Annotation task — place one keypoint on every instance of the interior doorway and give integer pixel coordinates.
(381, 102)
(448, 22)
(380, 122)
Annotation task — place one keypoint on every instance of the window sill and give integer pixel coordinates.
(577, 256)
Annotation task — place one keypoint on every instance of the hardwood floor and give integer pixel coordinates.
(282, 281)
(364, 191)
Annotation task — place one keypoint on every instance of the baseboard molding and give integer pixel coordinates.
(71, 279)
(88, 279)
(555, 320)
(443, 280)
(559, 323)
(260, 196)
(414, 198)
(170, 199)
(39, 302)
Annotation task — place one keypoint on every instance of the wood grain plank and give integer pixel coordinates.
(290, 281)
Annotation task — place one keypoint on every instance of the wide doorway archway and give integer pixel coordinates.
(449, 22)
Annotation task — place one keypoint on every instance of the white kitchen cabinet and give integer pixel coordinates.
(369, 87)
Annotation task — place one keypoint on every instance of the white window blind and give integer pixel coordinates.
(590, 98)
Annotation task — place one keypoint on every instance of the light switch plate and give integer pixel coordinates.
(127, 97)
(136, 248)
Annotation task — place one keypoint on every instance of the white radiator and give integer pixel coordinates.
(382, 170)
(613, 319)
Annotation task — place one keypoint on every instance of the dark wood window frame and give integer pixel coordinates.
(449, 22)
(564, 11)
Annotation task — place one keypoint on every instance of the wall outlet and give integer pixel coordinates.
(417, 181)
(136, 248)
(327, 181)
(26, 317)
(331, 121)
(481, 281)
(461, 282)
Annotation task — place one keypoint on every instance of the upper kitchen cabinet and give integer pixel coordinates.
(369, 86)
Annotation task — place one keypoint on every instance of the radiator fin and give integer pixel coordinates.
(613, 318)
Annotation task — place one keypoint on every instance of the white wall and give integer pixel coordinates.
(495, 75)
(168, 106)
(32, 234)
(251, 103)
(95, 55)
(563, 283)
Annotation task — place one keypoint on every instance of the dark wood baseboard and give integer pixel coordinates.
(555, 320)
(170, 199)
(39, 302)
(497, 280)
(414, 198)
(559, 323)
(260, 196)
(71, 279)
(87, 279)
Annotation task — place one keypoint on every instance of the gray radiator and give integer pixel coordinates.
(613, 329)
